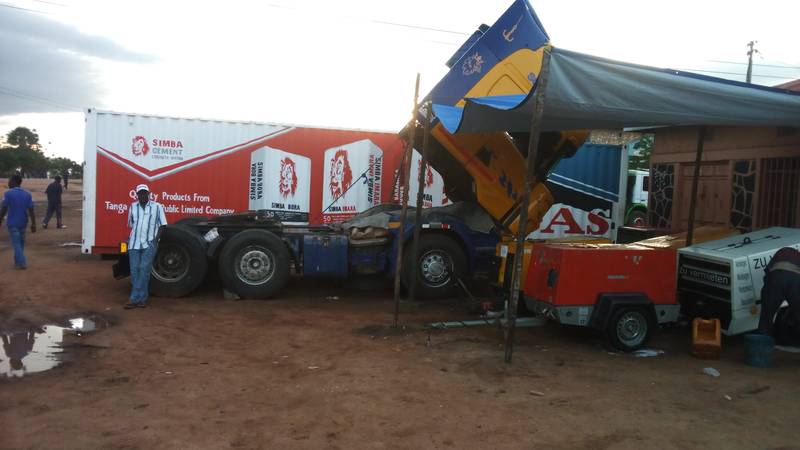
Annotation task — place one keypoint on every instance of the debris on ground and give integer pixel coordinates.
(711, 372)
(228, 295)
(647, 353)
(536, 393)
(332, 297)
(757, 390)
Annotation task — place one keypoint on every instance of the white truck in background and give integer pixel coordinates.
(636, 198)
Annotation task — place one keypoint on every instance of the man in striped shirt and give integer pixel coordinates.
(145, 219)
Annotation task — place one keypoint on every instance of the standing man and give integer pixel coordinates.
(53, 192)
(781, 282)
(66, 180)
(19, 205)
(145, 219)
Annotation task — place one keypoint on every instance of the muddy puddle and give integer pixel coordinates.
(37, 349)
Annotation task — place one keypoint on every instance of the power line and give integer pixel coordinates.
(24, 9)
(50, 3)
(736, 73)
(380, 22)
(35, 98)
(761, 65)
(418, 27)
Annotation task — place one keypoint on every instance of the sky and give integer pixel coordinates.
(346, 63)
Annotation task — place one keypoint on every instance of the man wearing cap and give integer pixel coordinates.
(145, 218)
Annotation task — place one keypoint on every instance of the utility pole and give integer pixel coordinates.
(750, 52)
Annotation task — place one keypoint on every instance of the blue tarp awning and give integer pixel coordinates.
(588, 92)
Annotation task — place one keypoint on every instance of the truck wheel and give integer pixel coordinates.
(180, 264)
(440, 261)
(637, 219)
(254, 264)
(629, 328)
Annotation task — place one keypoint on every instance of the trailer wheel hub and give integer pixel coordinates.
(632, 328)
(255, 265)
(433, 267)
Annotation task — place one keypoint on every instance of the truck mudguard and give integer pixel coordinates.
(607, 303)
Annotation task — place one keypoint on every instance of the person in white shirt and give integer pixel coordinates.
(145, 219)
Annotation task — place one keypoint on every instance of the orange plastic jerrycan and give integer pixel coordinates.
(706, 339)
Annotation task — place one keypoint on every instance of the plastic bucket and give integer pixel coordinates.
(758, 350)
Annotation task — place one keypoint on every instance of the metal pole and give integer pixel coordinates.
(749, 76)
(695, 180)
(405, 167)
(423, 165)
(533, 151)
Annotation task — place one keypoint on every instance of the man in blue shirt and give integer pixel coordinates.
(19, 205)
(145, 219)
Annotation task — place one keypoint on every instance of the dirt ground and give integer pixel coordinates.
(303, 371)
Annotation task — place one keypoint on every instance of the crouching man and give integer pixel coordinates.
(145, 219)
(781, 282)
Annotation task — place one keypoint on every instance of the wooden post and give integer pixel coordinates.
(695, 180)
(405, 168)
(423, 164)
(533, 151)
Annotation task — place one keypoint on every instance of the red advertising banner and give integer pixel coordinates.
(206, 168)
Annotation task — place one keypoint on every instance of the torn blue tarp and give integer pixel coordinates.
(589, 92)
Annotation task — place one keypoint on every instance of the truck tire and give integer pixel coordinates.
(441, 260)
(629, 328)
(254, 264)
(180, 264)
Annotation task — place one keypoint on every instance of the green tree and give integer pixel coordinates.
(26, 153)
(9, 162)
(23, 137)
(640, 160)
(62, 165)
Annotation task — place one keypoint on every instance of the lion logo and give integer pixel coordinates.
(341, 176)
(139, 146)
(288, 178)
(472, 64)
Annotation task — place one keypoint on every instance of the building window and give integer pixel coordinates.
(778, 192)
